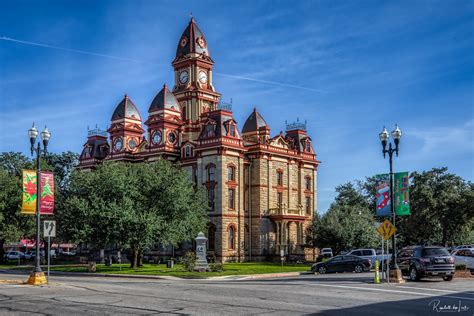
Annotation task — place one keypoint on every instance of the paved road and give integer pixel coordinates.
(341, 294)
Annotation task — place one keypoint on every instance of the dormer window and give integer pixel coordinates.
(308, 146)
(209, 130)
(187, 152)
(232, 130)
(211, 173)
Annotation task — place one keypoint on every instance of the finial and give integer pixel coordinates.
(126, 96)
(255, 109)
(164, 85)
(191, 16)
(88, 128)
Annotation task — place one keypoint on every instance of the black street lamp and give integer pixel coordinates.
(396, 135)
(37, 276)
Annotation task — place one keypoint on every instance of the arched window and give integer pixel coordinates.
(232, 199)
(231, 173)
(246, 237)
(210, 198)
(232, 130)
(231, 238)
(279, 177)
(211, 173)
(308, 205)
(308, 183)
(211, 237)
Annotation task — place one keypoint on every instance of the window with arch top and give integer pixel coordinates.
(211, 173)
(230, 173)
(231, 238)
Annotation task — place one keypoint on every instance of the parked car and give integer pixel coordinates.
(326, 253)
(32, 254)
(419, 261)
(462, 247)
(15, 255)
(464, 256)
(345, 263)
(370, 254)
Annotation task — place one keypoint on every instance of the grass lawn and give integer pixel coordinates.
(178, 271)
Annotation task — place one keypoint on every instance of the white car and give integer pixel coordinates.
(326, 253)
(464, 256)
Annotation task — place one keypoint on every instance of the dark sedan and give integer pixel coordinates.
(346, 263)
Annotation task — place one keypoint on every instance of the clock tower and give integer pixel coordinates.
(193, 87)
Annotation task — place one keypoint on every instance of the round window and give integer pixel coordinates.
(156, 138)
(171, 137)
(118, 144)
(132, 144)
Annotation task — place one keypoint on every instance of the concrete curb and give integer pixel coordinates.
(160, 277)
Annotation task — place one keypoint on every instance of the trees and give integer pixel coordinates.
(347, 224)
(13, 225)
(442, 213)
(133, 205)
(442, 203)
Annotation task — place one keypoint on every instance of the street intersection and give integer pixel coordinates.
(338, 294)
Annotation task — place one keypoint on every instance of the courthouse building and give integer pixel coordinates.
(261, 188)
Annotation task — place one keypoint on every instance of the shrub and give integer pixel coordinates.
(216, 267)
(189, 261)
(461, 266)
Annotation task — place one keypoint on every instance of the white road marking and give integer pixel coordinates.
(390, 291)
(425, 289)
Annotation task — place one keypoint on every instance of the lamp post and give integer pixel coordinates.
(37, 276)
(384, 136)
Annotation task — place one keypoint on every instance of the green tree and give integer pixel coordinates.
(348, 224)
(132, 205)
(13, 225)
(442, 203)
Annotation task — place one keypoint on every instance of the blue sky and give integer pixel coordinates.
(359, 65)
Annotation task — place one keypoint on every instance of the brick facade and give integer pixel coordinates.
(262, 189)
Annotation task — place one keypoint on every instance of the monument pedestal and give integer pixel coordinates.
(37, 278)
(201, 260)
(396, 276)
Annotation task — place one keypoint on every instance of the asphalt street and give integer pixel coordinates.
(337, 294)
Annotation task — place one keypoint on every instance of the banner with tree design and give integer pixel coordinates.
(47, 193)
(28, 205)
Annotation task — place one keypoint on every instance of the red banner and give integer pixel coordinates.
(47, 193)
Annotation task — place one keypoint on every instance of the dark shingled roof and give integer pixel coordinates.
(192, 41)
(254, 122)
(126, 109)
(165, 99)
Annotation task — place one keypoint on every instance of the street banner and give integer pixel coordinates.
(47, 193)
(28, 205)
(401, 194)
(382, 195)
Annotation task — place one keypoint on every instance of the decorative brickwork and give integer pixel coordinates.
(262, 190)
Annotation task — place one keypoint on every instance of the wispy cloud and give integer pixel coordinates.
(452, 139)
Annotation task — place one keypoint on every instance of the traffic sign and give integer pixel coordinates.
(49, 228)
(386, 230)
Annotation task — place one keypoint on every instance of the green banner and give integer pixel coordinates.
(401, 193)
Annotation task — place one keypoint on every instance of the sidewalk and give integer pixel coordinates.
(162, 277)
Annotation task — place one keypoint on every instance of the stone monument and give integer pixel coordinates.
(201, 260)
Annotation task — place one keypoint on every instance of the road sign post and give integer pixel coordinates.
(49, 230)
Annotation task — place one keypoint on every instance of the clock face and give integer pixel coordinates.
(156, 138)
(171, 137)
(184, 41)
(118, 144)
(202, 76)
(183, 76)
(132, 144)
